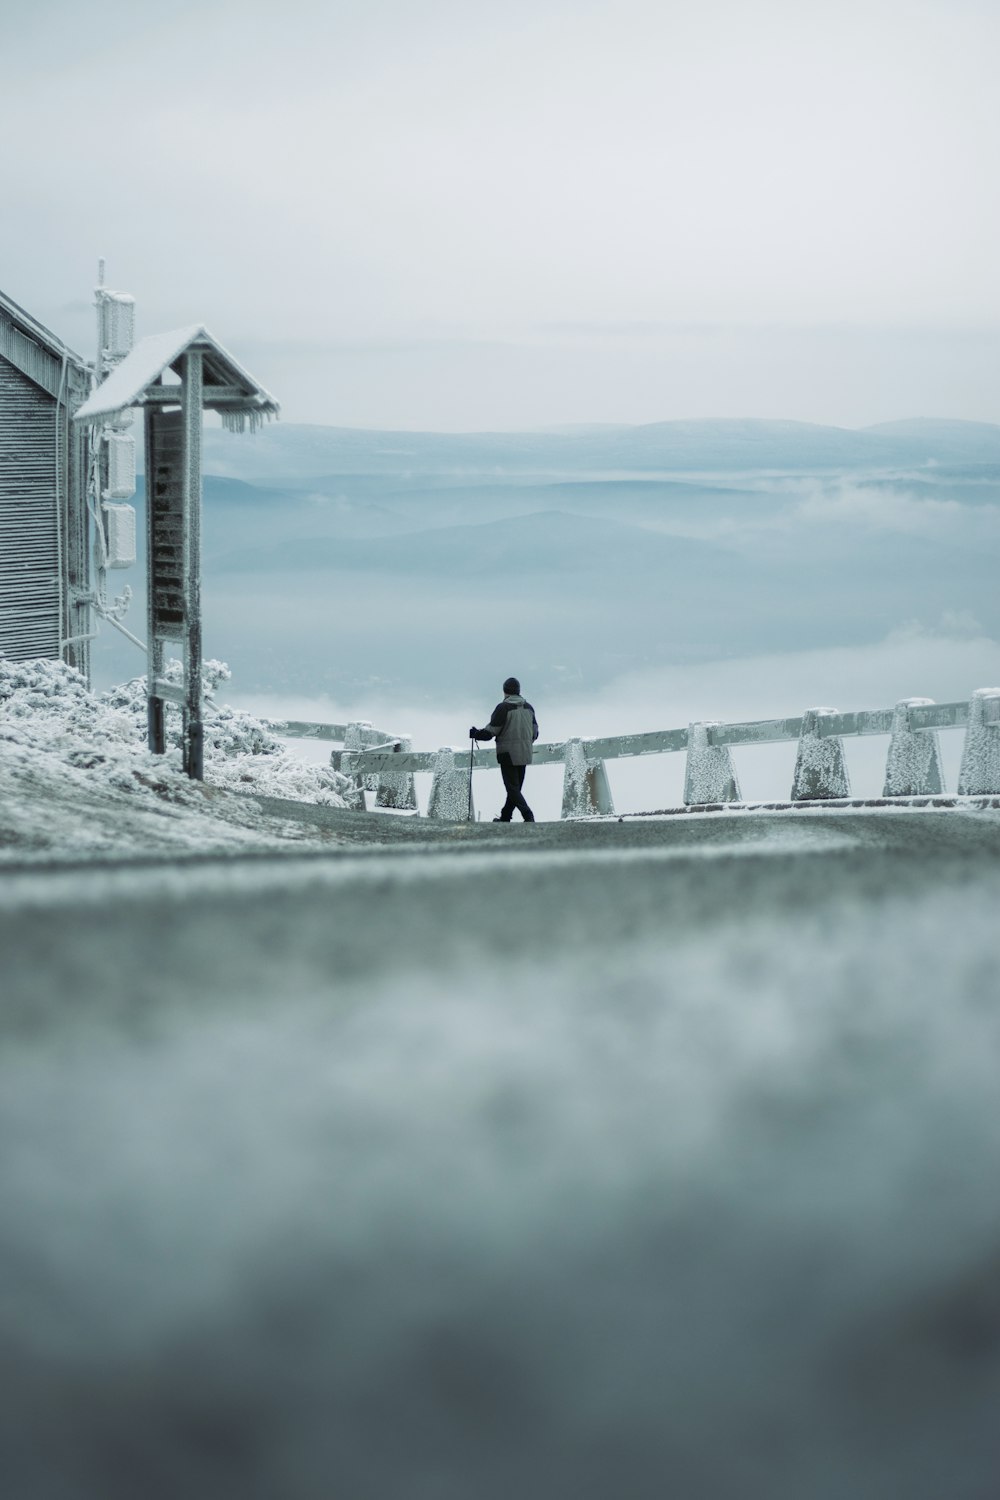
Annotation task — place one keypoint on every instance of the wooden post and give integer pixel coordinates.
(191, 398)
(155, 714)
(354, 740)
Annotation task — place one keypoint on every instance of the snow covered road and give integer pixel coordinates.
(624, 1159)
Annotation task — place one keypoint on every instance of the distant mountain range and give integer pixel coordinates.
(335, 559)
(292, 452)
(550, 542)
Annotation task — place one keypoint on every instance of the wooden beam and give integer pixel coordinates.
(161, 395)
(302, 729)
(939, 715)
(213, 397)
(865, 721)
(756, 732)
(228, 394)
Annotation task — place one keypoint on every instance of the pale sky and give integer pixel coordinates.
(450, 214)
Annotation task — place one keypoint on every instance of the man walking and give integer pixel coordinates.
(514, 727)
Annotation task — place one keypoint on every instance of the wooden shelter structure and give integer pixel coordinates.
(175, 377)
(45, 598)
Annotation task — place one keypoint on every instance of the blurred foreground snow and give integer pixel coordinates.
(639, 1160)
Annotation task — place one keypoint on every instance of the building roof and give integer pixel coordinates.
(31, 348)
(228, 387)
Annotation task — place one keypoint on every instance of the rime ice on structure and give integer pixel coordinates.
(913, 765)
(354, 740)
(397, 788)
(709, 775)
(586, 792)
(450, 797)
(980, 770)
(359, 735)
(820, 772)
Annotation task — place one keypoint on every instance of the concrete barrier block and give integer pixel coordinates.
(709, 775)
(586, 792)
(449, 798)
(397, 788)
(820, 771)
(980, 769)
(913, 764)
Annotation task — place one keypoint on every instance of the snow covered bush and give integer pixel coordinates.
(46, 709)
(228, 731)
(49, 704)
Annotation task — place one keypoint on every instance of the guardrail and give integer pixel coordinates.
(391, 790)
(387, 764)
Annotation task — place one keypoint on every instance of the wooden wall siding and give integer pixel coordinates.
(30, 592)
(27, 355)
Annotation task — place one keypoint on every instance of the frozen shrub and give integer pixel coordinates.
(46, 708)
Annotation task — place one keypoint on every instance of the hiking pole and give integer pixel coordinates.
(472, 753)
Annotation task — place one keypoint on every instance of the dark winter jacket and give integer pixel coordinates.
(514, 727)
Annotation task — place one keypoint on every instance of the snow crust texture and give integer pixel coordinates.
(980, 770)
(913, 764)
(76, 774)
(586, 789)
(709, 774)
(820, 768)
(450, 796)
(397, 789)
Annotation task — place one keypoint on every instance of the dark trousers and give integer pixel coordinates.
(513, 780)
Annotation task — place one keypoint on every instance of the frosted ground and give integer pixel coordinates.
(621, 1159)
(76, 776)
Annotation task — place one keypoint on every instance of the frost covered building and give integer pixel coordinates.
(44, 609)
(68, 469)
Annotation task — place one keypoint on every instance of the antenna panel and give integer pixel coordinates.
(117, 323)
(119, 525)
(121, 466)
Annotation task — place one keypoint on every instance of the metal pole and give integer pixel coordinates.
(472, 752)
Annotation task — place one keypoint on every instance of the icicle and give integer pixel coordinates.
(239, 421)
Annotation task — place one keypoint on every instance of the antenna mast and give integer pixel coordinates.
(112, 467)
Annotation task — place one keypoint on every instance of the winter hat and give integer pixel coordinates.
(512, 685)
